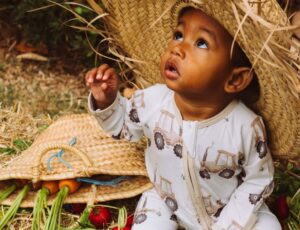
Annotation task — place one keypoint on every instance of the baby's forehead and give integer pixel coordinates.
(191, 17)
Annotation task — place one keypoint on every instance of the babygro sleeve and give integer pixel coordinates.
(115, 119)
(128, 119)
(257, 181)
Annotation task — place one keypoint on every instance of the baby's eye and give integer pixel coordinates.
(202, 44)
(178, 36)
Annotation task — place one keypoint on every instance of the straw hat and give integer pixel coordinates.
(139, 31)
(94, 153)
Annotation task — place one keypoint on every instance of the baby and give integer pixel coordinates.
(207, 154)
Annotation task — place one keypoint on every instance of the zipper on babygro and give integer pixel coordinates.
(195, 134)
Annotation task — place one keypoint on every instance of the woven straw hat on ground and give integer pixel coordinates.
(94, 153)
(140, 31)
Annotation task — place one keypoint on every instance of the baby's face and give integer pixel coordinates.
(197, 60)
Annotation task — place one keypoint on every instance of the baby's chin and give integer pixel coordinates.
(172, 85)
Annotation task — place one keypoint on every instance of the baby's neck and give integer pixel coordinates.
(196, 110)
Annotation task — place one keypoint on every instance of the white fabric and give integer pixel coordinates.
(227, 149)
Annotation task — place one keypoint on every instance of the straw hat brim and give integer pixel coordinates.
(94, 153)
(141, 30)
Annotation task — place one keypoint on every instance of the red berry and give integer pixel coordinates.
(100, 216)
(129, 221)
(281, 207)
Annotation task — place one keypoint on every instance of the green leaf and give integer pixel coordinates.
(84, 220)
(89, 54)
(290, 166)
(43, 127)
(21, 144)
(8, 150)
(78, 10)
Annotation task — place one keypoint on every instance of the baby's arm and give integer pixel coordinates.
(241, 210)
(107, 105)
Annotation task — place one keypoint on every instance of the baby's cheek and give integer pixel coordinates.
(162, 62)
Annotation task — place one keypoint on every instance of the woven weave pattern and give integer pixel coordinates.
(93, 153)
(142, 29)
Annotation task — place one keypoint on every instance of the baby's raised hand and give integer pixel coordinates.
(104, 84)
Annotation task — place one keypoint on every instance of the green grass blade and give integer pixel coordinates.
(53, 220)
(11, 212)
(7, 191)
(39, 207)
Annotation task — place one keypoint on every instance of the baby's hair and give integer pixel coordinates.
(238, 59)
(184, 10)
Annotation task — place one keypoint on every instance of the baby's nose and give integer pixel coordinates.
(178, 51)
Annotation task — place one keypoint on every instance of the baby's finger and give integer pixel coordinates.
(104, 86)
(90, 75)
(108, 74)
(100, 71)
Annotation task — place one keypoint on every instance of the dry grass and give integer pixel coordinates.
(18, 129)
(32, 96)
(41, 90)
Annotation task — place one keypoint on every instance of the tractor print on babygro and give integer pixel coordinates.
(255, 198)
(164, 189)
(164, 133)
(137, 102)
(224, 165)
(124, 134)
(210, 208)
(234, 226)
(141, 212)
(260, 137)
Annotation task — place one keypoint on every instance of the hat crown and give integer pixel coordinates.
(141, 31)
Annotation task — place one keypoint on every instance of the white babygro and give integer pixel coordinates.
(233, 164)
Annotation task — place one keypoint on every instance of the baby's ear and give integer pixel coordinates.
(239, 79)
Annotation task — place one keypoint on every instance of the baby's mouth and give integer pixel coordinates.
(171, 70)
